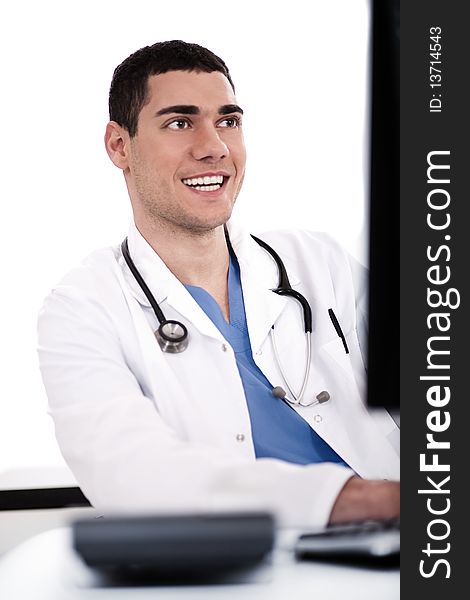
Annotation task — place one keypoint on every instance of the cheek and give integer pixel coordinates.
(159, 155)
(239, 157)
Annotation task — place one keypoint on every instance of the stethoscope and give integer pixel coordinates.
(172, 336)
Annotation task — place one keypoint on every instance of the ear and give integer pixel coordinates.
(116, 140)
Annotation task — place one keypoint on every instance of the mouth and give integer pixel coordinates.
(206, 183)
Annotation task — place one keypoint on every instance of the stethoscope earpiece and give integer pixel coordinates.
(323, 397)
(279, 392)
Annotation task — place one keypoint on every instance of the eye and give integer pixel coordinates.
(230, 122)
(178, 124)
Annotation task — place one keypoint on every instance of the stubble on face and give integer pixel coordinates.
(160, 158)
(159, 210)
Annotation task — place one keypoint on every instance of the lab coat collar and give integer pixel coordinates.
(165, 287)
(259, 275)
(156, 274)
(249, 252)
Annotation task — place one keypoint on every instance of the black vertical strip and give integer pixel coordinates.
(384, 207)
(434, 546)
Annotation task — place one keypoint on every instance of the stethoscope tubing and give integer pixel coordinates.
(140, 280)
(284, 287)
(296, 399)
(173, 335)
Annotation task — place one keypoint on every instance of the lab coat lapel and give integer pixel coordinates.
(262, 307)
(181, 300)
(259, 275)
(168, 291)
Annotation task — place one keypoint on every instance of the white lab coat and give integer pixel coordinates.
(144, 430)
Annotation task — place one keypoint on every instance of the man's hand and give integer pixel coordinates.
(363, 500)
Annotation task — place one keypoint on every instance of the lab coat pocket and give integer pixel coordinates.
(335, 350)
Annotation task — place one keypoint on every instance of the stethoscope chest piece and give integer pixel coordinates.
(172, 337)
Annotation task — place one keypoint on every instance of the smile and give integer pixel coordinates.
(208, 183)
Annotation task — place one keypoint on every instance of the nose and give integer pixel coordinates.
(208, 144)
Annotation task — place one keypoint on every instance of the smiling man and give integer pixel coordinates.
(163, 358)
(184, 167)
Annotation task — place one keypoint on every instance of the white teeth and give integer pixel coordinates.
(205, 181)
(208, 188)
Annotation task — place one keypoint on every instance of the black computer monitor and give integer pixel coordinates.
(384, 204)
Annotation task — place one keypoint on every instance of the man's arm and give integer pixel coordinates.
(362, 500)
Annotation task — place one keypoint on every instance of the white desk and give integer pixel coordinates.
(46, 568)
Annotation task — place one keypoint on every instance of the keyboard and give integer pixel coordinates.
(370, 541)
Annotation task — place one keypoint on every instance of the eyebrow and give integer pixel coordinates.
(227, 109)
(191, 109)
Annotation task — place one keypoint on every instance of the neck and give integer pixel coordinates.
(195, 258)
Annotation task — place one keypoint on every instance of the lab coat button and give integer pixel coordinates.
(259, 352)
(240, 437)
(224, 347)
(318, 418)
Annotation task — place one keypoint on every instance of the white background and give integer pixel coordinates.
(300, 69)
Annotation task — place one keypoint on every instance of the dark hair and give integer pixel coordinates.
(129, 87)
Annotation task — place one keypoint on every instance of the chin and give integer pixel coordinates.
(209, 222)
(208, 225)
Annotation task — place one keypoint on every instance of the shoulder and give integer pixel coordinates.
(92, 283)
(302, 237)
(304, 245)
(95, 272)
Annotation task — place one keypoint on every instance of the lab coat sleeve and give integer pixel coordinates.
(126, 458)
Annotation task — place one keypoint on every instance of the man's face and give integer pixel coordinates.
(187, 160)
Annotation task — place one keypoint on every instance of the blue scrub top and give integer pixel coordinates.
(278, 431)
